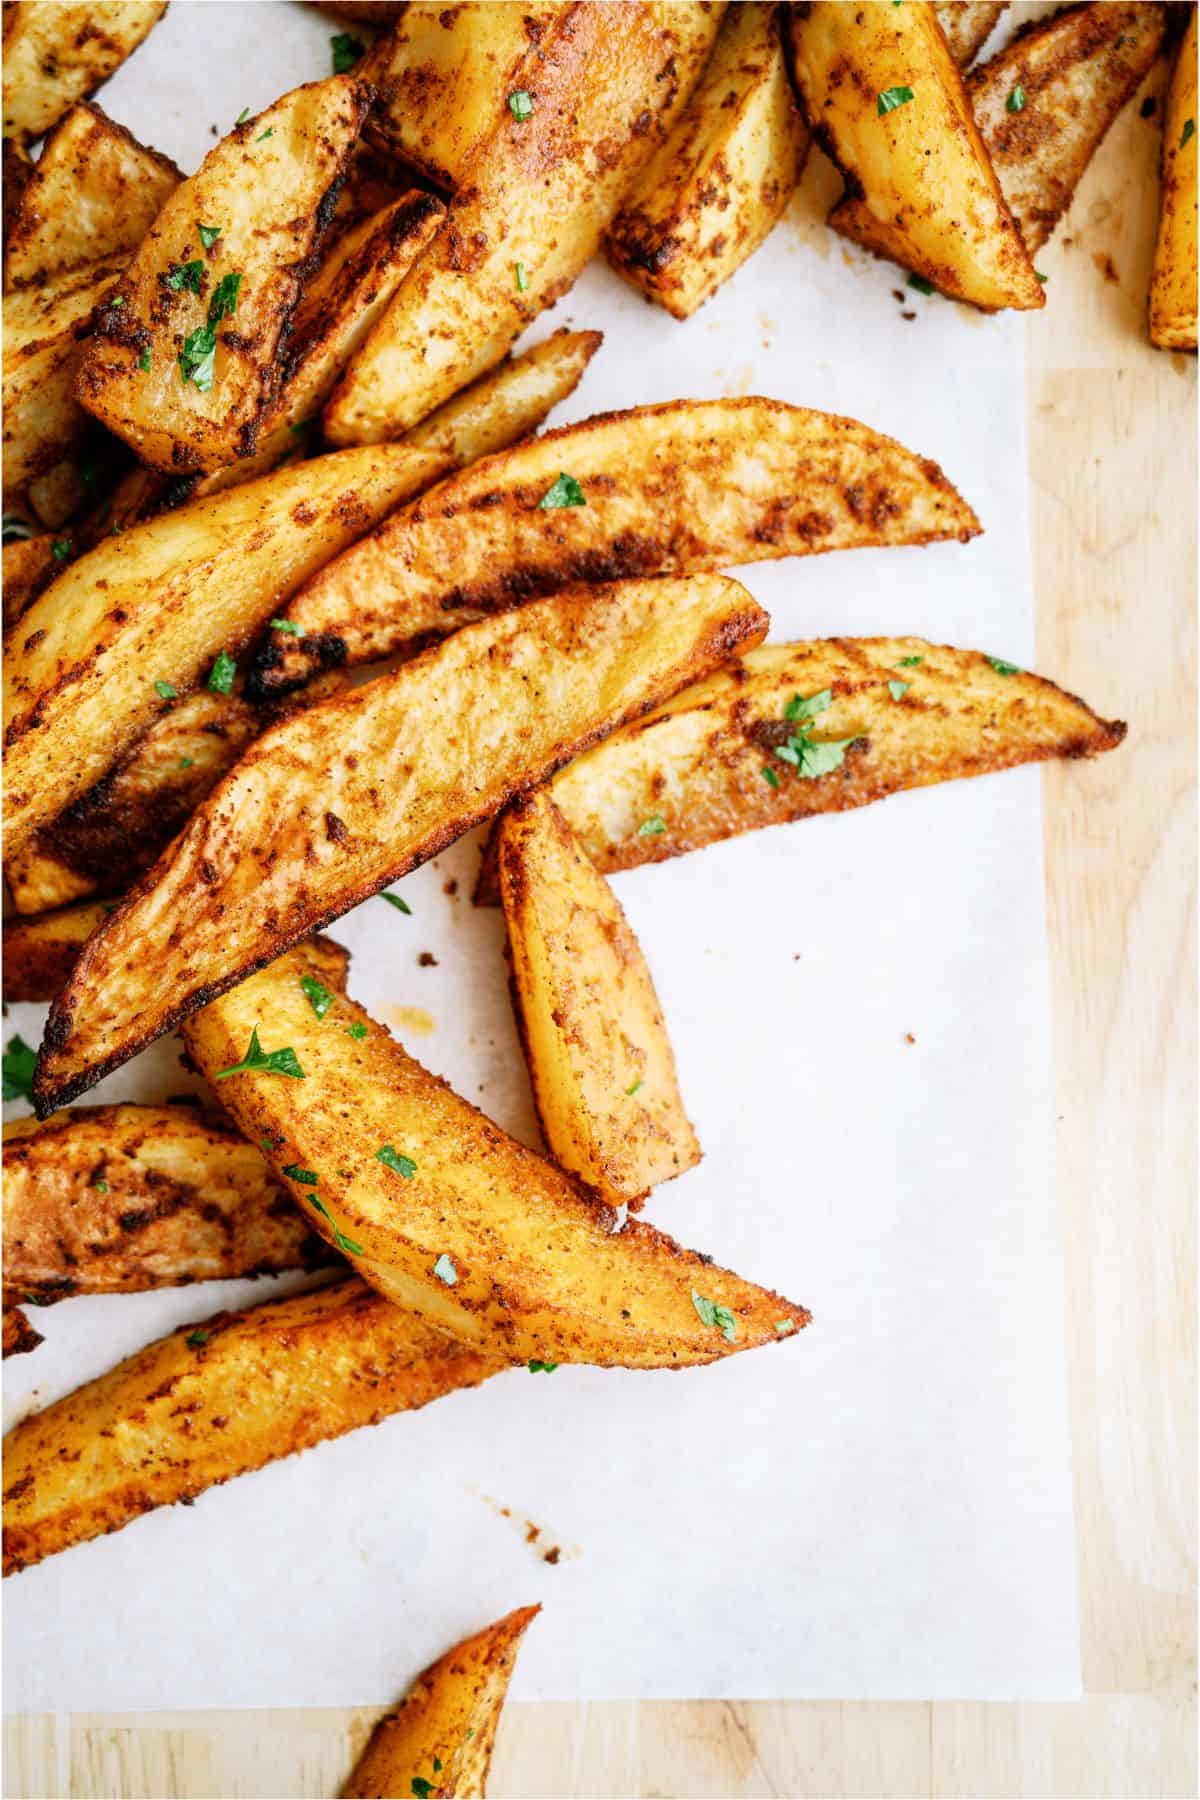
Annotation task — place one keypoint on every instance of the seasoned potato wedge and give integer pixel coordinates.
(43, 332)
(94, 193)
(1174, 281)
(530, 210)
(440, 1738)
(966, 26)
(908, 714)
(28, 564)
(510, 402)
(1072, 73)
(40, 952)
(184, 365)
(56, 54)
(158, 604)
(216, 1400)
(117, 1199)
(363, 787)
(449, 1217)
(885, 99)
(600, 1060)
(709, 196)
(443, 75)
(661, 490)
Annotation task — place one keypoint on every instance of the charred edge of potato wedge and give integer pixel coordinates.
(20, 1336)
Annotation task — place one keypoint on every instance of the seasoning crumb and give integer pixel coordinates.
(908, 315)
(1107, 267)
(551, 1556)
(897, 294)
(450, 887)
(427, 960)
(1149, 107)
(909, 1038)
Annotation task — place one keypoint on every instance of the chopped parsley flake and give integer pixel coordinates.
(400, 904)
(292, 629)
(197, 359)
(186, 762)
(99, 1183)
(719, 1317)
(421, 1788)
(318, 1204)
(445, 1270)
(346, 52)
(633, 1088)
(143, 361)
(784, 1326)
(893, 97)
(565, 492)
(306, 1177)
(770, 777)
(919, 282)
(651, 827)
(803, 756)
(317, 995)
(520, 104)
(269, 132)
(521, 276)
(392, 1159)
(346, 1244)
(1042, 278)
(1016, 100)
(1003, 668)
(60, 549)
(165, 691)
(910, 662)
(209, 235)
(1189, 132)
(265, 1062)
(220, 676)
(189, 276)
(17, 1066)
(223, 304)
(196, 1340)
(242, 116)
(898, 689)
(537, 1367)
(357, 1031)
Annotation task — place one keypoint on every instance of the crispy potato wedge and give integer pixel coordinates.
(1174, 281)
(710, 195)
(20, 1337)
(117, 1199)
(531, 207)
(439, 1740)
(28, 564)
(885, 99)
(158, 603)
(666, 490)
(183, 364)
(44, 329)
(40, 952)
(215, 1400)
(1074, 72)
(56, 54)
(94, 193)
(452, 1219)
(966, 26)
(443, 75)
(600, 1060)
(363, 787)
(697, 763)
(513, 399)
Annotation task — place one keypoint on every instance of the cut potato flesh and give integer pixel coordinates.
(1174, 281)
(40, 952)
(966, 26)
(56, 54)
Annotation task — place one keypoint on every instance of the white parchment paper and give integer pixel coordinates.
(879, 1508)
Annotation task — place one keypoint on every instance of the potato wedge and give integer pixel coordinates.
(158, 604)
(1174, 280)
(44, 329)
(40, 952)
(666, 490)
(909, 714)
(215, 1400)
(28, 564)
(56, 54)
(600, 1060)
(452, 1219)
(363, 787)
(885, 99)
(1072, 74)
(710, 195)
(439, 1740)
(94, 193)
(530, 209)
(184, 364)
(512, 400)
(363, 12)
(966, 26)
(20, 1337)
(118, 1199)
(443, 75)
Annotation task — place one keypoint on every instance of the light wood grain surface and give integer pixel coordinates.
(1112, 445)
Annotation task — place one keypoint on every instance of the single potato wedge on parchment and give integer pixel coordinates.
(885, 99)
(600, 1060)
(966, 25)
(215, 1400)
(439, 1740)
(788, 731)
(706, 200)
(1176, 272)
(443, 1212)
(56, 54)
(221, 271)
(672, 489)
(1044, 103)
(327, 808)
(40, 952)
(529, 212)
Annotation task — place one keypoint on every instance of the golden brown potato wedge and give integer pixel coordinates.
(661, 490)
(530, 210)
(117, 1199)
(40, 952)
(215, 1400)
(44, 329)
(182, 364)
(449, 1217)
(966, 25)
(153, 608)
(56, 54)
(713, 762)
(94, 193)
(600, 1060)
(709, 196)
(28, 564)
(1174, 281)
(20, 1337)
(361, 788)
(443, 75)
(1044, 103)
(511, 401)
(885, 99)
(440, 1738)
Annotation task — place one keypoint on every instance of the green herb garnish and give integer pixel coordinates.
(208, 235)
(196, 1340)
(345, 1243)
(357, 1031)
(220, 676)
(784, 1326)
(521, 275)
(165, 691)
(392, 1159)
(565, 492)
(537, 1367)
(520, 104)
(17, 1066)
(898, 689)
(803, 756)
(1189, 132)
(346, 52)
(1042, 278)
(264, 1062)
(223, 304)
(317, 995)
(445, 1270)
(189, 275)
(719, 1317)
(99, 1183)
(1016, 100)
(770, 777)
(288, 625)
(919, 282)
(636, 1085)
(306, 1177)
(269, 132)
(143, 362)
(651, 827)
(910, 662)
(421, 1788)
(197, 359)
(1001, 667)
(187, 762)
(60, 549)
(893, 97)
(242, 116)
(400, 904)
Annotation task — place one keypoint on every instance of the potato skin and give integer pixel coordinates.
(1174, 280)
(697, 762)
(444, 1730)
(600, 1060)
(180, 1417)
(58, 54)
(367, 785)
